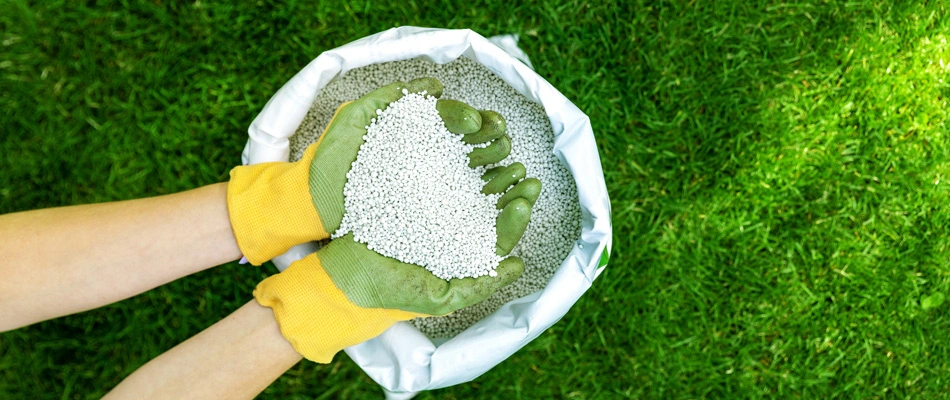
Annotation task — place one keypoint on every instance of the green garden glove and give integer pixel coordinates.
(275, 206)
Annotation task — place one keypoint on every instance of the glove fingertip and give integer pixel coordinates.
(504, 179)
(528, 189)
(493, 127)
(496, 151)
(511, 224)
(459, 117)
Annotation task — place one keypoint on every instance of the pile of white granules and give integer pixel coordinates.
(555, 217)
(410, 194)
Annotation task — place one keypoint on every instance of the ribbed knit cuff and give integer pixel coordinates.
(271, 210)
(315, 316)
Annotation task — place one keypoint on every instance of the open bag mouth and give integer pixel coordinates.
(403, 359)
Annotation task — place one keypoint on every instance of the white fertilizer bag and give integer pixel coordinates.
(403, 360)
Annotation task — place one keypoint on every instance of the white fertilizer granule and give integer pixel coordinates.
(555, 217)
(410, 194)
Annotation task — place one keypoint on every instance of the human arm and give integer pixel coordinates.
(60, 261)
(236, 358)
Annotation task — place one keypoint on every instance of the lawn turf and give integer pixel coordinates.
(778, 174)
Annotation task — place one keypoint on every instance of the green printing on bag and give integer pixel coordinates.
(604, 257)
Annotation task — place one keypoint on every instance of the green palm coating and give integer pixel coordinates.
(491, 173)
(371, 280)
(528, 189)
(459, 118)
(510, 225)
(342, 140)
(495, 152)
(493, 127)
(502, 181)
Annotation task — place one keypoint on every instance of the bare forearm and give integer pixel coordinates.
(64, 260)
(235, 358)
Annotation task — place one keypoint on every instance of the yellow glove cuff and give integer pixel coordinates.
(315, 316)
(271, 210)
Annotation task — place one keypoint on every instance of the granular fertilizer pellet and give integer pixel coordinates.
(555, 217)
(411, 184)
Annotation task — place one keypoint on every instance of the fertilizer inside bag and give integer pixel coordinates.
(555, 217)
(403, 359)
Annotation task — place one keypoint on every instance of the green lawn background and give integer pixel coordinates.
(778, 173)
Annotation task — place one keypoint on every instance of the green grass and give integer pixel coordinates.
(779, 174)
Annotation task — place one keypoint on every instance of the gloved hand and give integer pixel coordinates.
(345, 293)
(275, 206)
